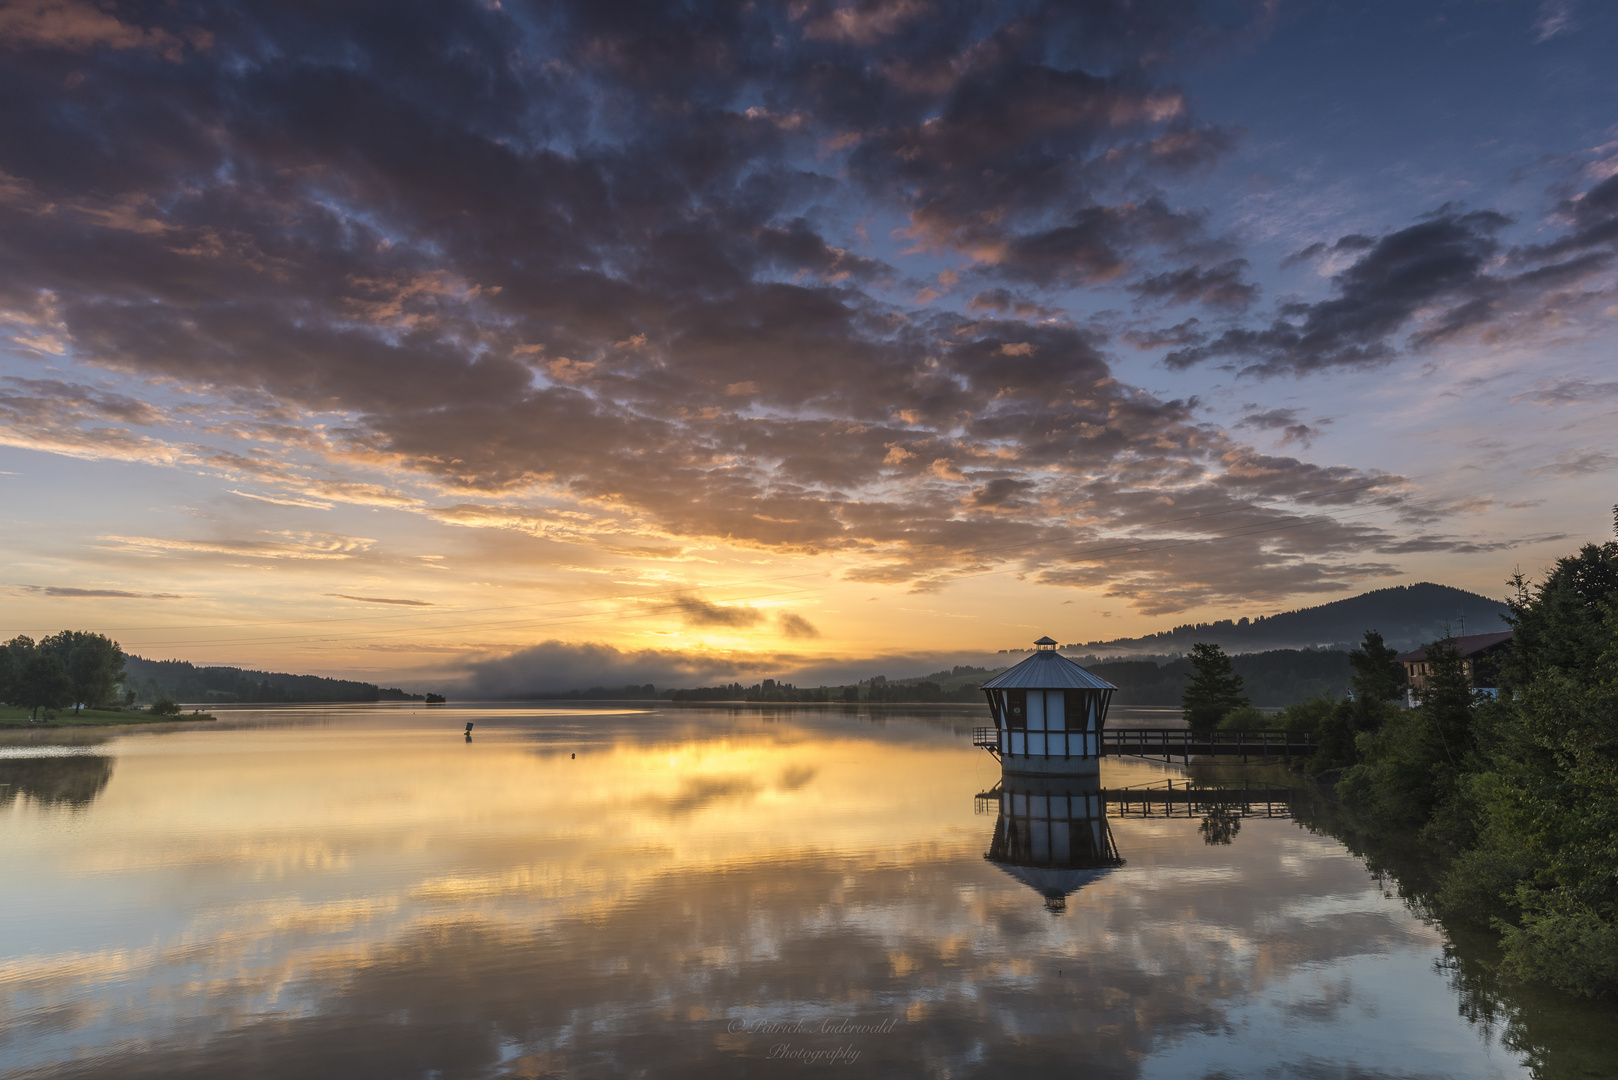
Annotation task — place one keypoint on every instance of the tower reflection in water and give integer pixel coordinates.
(1052, 834)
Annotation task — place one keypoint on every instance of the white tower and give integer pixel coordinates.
(1048, 715)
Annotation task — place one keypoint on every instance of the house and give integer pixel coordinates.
(1479, 657)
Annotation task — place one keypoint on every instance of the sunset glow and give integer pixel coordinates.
(500, 345)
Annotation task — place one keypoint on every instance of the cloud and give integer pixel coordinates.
(289, 545)
(862, 23)
(559, 666)
(382, 600)
(796, 626)
(77, 26)
(1555, 17)
(1585, 463)
(283, 500)
(1216, 286)
(1437, 263)
(1001, 490)
(68, 592)
(1435, 281)
(606, 277)
(1286, 421)
(694, 611)
(1569, 391)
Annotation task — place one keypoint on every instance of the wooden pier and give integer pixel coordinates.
(1179, 798)
(1182, 743)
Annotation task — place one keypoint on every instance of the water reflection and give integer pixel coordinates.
(1220, 826)
(375, 898)
(1052, 835)
(68, 780)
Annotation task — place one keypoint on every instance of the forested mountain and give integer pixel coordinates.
(181, 680)
(1269, 679)
(1407, 616)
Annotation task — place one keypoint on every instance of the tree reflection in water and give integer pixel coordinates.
(72, 781)
(1220, 827)
(1561, 1037)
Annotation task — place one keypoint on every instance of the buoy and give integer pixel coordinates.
(573, 755)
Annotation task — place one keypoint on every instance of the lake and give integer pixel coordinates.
(360, 891)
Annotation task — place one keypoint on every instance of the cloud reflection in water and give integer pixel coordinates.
(380, 899)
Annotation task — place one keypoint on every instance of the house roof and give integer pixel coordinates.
(1470, 645)
(1047, 669)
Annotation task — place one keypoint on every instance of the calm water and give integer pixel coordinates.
(360, 892)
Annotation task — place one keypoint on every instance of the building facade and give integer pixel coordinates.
(1048, 715)
(1479, 655)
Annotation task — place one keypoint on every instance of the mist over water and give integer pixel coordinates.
(363, 892)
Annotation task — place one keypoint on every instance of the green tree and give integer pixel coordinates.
(1510, 806)
(42, 682)
(1377, 675)
(1411, 763)
(94, 664)
(1559, 624)
(7, 674)
(1214, 690)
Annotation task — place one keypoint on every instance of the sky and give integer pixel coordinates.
(546, 344)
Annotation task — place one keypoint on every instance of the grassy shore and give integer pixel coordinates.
(14, 718)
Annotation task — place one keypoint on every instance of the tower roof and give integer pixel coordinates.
(1047, 669)
(1056, 884)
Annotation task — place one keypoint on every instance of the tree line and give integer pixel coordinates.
(180, 680)
(1273, 678)
(1509, 802)
(73, 667)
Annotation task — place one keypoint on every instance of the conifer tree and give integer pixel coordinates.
(1214, 690)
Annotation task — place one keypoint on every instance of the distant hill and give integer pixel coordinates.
(1271, 679)
(1406, 615)
(184, 681)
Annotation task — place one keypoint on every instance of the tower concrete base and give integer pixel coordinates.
(1039, 765)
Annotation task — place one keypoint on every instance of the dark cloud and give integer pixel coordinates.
(1189, 332)
(1440, 261)
(1004, 302)
(698, 612)
(558, 666)
(382, 600)
(613, 259)
(1286, 421)
(796, 626)
(1434, 281)
(1216, 286)
(999, 491)
(1094, 245)
(68, 593)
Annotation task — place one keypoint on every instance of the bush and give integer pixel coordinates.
(1245, 718)
(1576, 950)
(1515, 800)
(166, 707)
